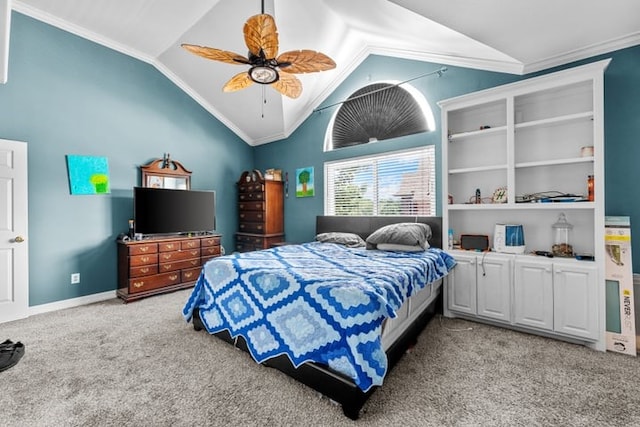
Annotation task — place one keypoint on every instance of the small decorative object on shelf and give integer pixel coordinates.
(500, 195)
(273, 174)
(562, 237)
(590, 188)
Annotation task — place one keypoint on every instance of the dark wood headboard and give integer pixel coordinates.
(365, 225)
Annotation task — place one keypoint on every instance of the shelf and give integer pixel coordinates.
(475, 133)
(477, 169)
(558, 162)
(521, 206)
(588, 115)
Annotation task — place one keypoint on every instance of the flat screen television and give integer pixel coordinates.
(165, 211)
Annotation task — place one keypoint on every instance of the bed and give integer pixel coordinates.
(336, 318)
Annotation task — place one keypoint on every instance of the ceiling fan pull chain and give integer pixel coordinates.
(264, 100)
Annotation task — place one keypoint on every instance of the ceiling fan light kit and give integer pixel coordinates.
(266, 67)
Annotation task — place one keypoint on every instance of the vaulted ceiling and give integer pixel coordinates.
(499, 35)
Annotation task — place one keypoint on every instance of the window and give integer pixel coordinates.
(378, 112)
(394, 183)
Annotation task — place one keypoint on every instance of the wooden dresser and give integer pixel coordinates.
(261, 212)
(153, 266)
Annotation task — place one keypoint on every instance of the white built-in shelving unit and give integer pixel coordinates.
(529, 138)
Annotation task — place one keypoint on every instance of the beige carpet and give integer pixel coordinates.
(140, 364)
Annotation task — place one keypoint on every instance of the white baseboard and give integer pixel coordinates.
(69, 303)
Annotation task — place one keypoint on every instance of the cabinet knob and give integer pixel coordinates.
(18, 239)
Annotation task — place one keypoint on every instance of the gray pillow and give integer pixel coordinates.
(350, 240)
(404, 233)
(399, 248)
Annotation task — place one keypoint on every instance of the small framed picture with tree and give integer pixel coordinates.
(304, 182)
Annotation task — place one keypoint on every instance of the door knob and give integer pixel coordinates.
(19, 239)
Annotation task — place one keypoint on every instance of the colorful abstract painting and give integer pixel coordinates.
(88, 174)
(304, 182)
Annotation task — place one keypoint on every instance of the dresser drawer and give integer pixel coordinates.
(191, 275)
(141, 284)
(210, 241)
(251, 206)
(138, 260)
(169, 246)
(251, 227)
(251, 196)
(145, 248)
(250, 188)
(190, 244)
(144, 270)
(179, 255)
(254, 216)
(248, 240)
(178, 265)
(210, 251)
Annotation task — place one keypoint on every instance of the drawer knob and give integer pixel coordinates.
(173, 277)
(144, 248)
(144, 270)
(138, 284)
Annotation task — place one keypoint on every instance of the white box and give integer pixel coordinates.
(621, 322)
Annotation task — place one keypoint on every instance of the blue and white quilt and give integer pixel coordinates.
(319, 302)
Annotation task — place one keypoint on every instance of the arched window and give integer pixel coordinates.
(377, 112)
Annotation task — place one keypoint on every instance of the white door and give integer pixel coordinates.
(14, 263)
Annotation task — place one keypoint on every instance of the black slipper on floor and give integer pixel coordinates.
(6, 343)
(10, 354)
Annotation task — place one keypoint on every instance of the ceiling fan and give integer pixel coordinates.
(265, 65)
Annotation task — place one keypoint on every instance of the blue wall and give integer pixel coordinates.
(66, 95)
(305, 147)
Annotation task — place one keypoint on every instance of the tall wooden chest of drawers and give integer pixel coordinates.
(153, 266)
(260, 211)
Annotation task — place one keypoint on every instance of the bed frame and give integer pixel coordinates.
(321, 378)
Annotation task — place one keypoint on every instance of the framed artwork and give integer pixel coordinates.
(304, 182)
(88, 174)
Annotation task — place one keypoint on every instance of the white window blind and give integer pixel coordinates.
(395, 183)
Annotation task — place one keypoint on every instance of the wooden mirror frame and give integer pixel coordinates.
(166, 173)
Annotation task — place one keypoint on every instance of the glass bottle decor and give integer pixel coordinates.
(562, 238)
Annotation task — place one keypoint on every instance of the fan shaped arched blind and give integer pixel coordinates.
(377, 112)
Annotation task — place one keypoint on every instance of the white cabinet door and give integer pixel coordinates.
(461, 285)
(494, 286)
(533, 293)
(575, 299)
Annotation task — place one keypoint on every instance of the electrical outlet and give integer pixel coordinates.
(75, 278)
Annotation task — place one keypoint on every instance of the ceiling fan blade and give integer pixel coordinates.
(260, 32)
(237, 82)
(288, 85)
(216, 54)
(305, 61)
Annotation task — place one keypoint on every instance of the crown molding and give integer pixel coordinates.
(584, 53)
